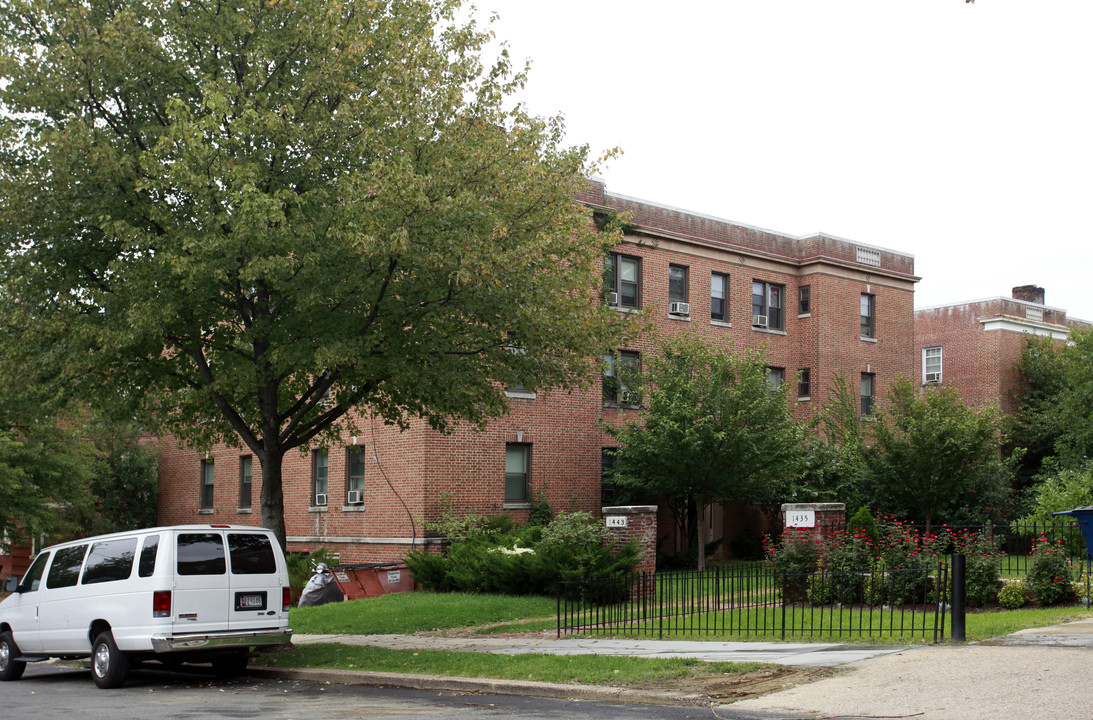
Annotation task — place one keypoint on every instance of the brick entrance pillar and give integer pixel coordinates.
(637, 523)
(822, 520)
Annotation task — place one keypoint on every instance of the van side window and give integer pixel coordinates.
(251, 554)
(147, 566)
(109, 561)
(65, 570)
(33, 578)
(201, 554)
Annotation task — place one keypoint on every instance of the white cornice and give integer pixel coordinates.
(1008, 323)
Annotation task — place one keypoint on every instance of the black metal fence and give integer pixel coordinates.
(1017, 539)
(754, 600)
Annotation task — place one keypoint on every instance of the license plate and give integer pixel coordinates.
(250, 601)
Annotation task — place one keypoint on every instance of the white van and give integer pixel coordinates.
(189, 593)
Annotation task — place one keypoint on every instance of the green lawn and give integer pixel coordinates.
(587, 669)
(407, 613)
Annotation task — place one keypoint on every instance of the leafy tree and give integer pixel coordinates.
(124, 490)
(1038, 425)
(837, 452)
(1063, 397)
(712, 430)
(44, 473)
(935, 457)
(242, 220)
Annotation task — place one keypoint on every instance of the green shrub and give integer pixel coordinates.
(1013, 594)
(981, 578)
(430, 570)
(496, 557)
(300, 568)
(1049, 572)
(795, 556)
(819, 590)
(863, 522)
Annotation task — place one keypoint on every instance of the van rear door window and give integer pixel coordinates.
(251, 554)
(110, 560)
(65, 570)
(147, 565)
(201, 554)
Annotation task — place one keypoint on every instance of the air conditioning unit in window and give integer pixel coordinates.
(354, 497)
(612, 298)
(679, 308)
(629, 397)
(759, 320)
(320, 498)
(933, 378)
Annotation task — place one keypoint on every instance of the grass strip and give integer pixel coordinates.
(579, 669)
(403, 613)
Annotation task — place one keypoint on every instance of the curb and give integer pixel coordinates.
(493, 686)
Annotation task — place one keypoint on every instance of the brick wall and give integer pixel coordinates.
(413, 475)
(981, 342)
(830, 518)
(637, 523)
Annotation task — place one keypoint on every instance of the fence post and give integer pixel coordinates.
(959, 590)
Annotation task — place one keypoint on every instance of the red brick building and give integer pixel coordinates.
(820, 304)
(975, 345)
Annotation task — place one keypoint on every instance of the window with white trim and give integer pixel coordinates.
(868, 392)
(207, 478)
(719, 297)
(767, 303)
(868, 315)
(517, 472)
(246, 477)
(320, 477)
(931, 365)
(620, 375)
(354, 475)
(622, 276)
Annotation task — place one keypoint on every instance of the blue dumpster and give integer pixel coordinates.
(1084, 516)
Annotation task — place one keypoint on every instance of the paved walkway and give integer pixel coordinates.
(802, 654)
(1033, 673)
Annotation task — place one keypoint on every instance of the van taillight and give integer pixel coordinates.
(286, 598)
(161, 603)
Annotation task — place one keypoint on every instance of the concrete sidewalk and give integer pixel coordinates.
(1039, 672)
(799, 654)
(1042, 672)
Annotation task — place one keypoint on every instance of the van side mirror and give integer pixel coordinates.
(11, 584)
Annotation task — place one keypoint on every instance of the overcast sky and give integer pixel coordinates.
(959, 133)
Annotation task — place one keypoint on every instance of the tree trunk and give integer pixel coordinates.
(273, 497)
(700, 535)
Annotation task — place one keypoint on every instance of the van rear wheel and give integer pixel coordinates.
(109, 666)
(10, 668)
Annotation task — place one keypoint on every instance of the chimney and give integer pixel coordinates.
(1029, 293)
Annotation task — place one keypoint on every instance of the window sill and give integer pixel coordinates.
(245, 511)
(516, 395)
(679, 318)
(616, 406)
(869, 339)
(804, 398)
(720, 323)
(206, 511)
(620, 308)
(352, 508)
(804, 315)
(768, 331)
(516, 505)
(318, 509)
